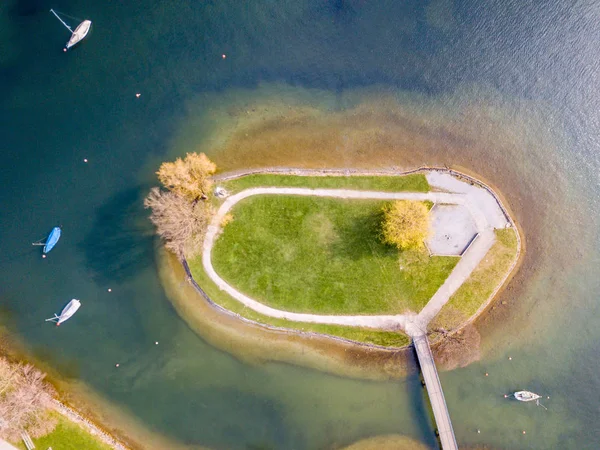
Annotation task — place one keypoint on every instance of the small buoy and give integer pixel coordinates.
(64, 49)
(486, 374)
(524, 432)
(505, 396)
(43, 256)
(109, 290)
(510, 358)
(85, 160)
(138, 95)
(117, 365)
(224, 56)
(156, 343)
(548, 397)
(478, 431)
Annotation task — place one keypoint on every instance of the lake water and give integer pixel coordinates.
(506, 89)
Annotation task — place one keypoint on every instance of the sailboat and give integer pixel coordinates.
(80, 32)
(66, 313)
(50, 241)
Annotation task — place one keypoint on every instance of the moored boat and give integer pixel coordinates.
(66, 313)
(50, 241)
(526, 396)
(53, 238)
(80, 32)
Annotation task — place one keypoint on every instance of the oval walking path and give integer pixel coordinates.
(482, 205)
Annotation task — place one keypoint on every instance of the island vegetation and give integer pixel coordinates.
(182, 210)
(325, 256)
(405, 224)
(319, 255)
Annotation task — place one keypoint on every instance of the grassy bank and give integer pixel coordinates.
(323, 256)
(365, 335)
(68, 436)
(408, 183)
(477, 289)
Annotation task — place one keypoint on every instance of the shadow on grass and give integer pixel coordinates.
(361, 237)
(121, 241)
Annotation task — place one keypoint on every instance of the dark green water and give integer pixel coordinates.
(530, 71)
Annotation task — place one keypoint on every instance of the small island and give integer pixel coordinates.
(305, 250)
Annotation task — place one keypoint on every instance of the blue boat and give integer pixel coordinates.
(51, 241)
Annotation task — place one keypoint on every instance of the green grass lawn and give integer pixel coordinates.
(366, 335)
(479, 286)
(68, 436)
(323, 256)
(408, 183)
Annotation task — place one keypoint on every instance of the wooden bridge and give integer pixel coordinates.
(436, 395)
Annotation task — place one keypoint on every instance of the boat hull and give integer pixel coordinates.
(53, 238)
(80, 32)
(68, 311)
(526, 396)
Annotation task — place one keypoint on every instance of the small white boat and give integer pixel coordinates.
(527, 396)
(66, 313)
(80, 32)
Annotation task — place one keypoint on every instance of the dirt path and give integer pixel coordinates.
(482, 205)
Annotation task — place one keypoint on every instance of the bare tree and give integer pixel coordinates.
(180, 223)
(24, 401)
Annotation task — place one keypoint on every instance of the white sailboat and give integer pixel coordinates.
(80, 32)
(66, 313)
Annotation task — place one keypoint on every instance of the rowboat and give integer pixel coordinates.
(66, 313)
(50, 241)
(526, 396)
(80, 32)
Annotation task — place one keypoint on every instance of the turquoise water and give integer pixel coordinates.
(515, 76)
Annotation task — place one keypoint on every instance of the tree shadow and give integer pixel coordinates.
(121, 241)
(362, 238)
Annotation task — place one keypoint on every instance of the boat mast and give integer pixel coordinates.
(61, 21)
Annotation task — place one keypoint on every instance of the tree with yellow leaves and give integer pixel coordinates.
(189, 177)
(405, 224)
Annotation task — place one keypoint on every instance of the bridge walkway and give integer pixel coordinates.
(436, 395)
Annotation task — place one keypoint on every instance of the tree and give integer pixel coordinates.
(180, 223)
(24, 401)
(405, 224)
(189, 177)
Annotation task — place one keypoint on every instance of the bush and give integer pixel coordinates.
(405, 224)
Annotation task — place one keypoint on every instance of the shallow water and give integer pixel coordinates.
(505, 89)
